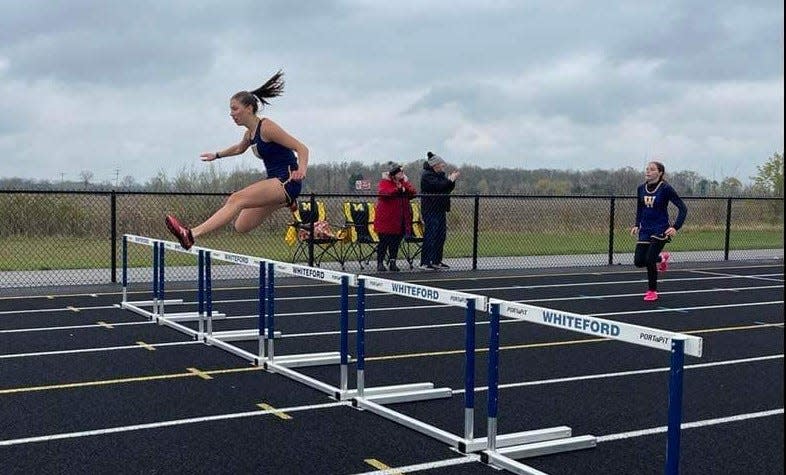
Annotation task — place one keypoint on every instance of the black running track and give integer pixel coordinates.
(86, 387)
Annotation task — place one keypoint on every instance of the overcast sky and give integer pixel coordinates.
(139, 87)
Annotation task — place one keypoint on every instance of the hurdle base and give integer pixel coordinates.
(305, 359)
(376, 390)
(538, 449)
(192, 316)
(151, 302)
(410, 396)
(516, 438)
(241, 335)
(136, 307)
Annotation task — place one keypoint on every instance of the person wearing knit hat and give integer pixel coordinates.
(435, 186)
(393, 215)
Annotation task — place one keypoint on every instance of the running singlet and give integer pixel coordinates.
(278, 160)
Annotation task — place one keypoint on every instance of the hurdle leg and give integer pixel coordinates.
(469, 372)
(201, 293)
(344, 334)
(155, 280)
(209, 294)
(361, 331)
(125, 269)
(675, 406)
(271, 310)
(161, 261)
(261, 310)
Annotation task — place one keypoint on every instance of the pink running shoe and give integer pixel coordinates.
(182, 233)
(663, 265)
(651, 296)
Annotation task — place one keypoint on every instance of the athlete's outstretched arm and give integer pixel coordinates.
(232, 150)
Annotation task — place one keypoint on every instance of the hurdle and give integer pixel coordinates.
(158, 301)
(677, 344)
(265, 332)
(370, 400)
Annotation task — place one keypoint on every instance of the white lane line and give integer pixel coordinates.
(742, 276)
(690, 425)
(680, 309)
(157, 425)
(425, 466)
(621, 374)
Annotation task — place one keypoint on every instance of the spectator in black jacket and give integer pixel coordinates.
(435, 188)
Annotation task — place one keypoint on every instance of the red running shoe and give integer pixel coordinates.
(663, 265)
(182, 233)
(651, 296)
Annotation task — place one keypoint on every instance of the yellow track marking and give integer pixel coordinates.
(201, 374)
(104, 324)
(379, 465)
(279, 414)
(726, 329)
(138, 379)
(145, 346)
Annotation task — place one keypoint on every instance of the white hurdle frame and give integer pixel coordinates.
(265, 333)
(677, 343)
(366, 399)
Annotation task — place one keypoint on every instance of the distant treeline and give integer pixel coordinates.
(341, 178)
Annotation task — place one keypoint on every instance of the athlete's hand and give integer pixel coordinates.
(208, 156)
(671, 232)
(634, 230)
(297, 175)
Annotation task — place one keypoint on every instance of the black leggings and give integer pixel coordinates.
(648, 255)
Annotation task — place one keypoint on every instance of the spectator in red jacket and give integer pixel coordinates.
(393, 217)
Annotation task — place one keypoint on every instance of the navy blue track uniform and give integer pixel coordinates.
(279, 162)
(652, 214)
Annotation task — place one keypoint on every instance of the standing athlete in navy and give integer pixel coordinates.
(653, 226)
(285, 159)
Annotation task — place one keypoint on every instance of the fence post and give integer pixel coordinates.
(313, 201)
(611, 231)
(475, 226)
(728, 230)
(113, 234)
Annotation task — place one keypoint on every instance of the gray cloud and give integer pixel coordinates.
(144, 86)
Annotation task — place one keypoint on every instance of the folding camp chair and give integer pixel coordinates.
(413, 241)
(363, 240)
(309, 230)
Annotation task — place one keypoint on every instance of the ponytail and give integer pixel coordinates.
(273, 87)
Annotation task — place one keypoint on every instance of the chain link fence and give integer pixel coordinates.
(67, 238)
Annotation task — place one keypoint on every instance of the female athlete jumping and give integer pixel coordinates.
(285, 159)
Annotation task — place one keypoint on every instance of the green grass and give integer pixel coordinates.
(45, 253)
